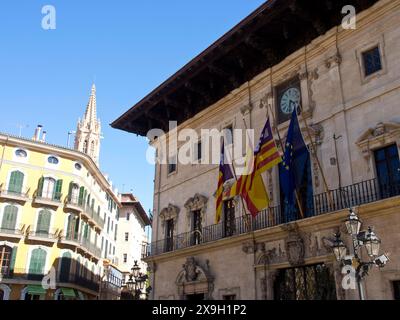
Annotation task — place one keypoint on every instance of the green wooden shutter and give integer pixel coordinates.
(81, 195)
(9, 217)
(69, 226)
(43, 224)
(71, 185)
(40, 187)
(38, 261)
(16, 181)
(13, 257)
(57, 190)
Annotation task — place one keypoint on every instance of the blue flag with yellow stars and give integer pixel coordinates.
(294, 160)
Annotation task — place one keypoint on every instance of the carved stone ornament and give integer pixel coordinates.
(198, 202)
(382, 134)
(246, 109)
(170, 212)
(194, 278)
(294, 245)
(334, 60)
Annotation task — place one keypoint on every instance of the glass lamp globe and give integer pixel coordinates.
(339, 249)
(353, 223)
(372, 243)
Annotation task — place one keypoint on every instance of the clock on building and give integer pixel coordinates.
(288, 98)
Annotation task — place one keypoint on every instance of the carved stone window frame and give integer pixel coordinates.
(197, 202)
(168, 213)
(377, 42)
(380, 136)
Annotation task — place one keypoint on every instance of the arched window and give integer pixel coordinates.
(74, 193)
(43, 222)
(85, 146)
(52, 160)
(92, 148)
(85, 270)
(77, 267)
(5, 260)
(21, 153)
(9, 217)
(37, 264)
(16, 182)
(48, 187)
(65, 267)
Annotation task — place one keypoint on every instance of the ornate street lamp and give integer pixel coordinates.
(359, 239)
(372, 243)
(339, 249)
(135, 270)
(353, 223)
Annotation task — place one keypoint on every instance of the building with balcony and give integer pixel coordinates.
(348, 88)
(132, 239)
(58, 215)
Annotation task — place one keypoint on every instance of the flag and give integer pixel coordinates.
(266, 153)
(225, 173)
(294, 160)
(251, 185)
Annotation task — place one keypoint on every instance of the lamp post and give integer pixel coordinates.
(137, 282)
(367, 239)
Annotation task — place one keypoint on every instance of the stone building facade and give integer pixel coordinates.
(351, 106)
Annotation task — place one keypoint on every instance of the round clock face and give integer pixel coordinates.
(290, 99)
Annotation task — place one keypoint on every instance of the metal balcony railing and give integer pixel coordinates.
(339, 199)
(85, 279)
(11, 231)
(86, 209)
(54, 197)
(10, 192)
(80, 241)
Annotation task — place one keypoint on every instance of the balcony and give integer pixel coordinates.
(78, 241)
(93, 218)
(15, 233)
(86, 280)
(14, 195)
(350, 196)
(42, 236)
(52, 200)
(74, 204)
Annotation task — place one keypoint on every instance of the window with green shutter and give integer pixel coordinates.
(40, 187)
(16, 182)
(43, 223)
(81, 196)
(9, 217)
(38, 262)
(57, 190)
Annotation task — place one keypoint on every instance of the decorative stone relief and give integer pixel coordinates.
(246, 109)
(194, 279)
(229, 291)
(170, 212)
(198, 202)
(382, 134)
(333, 61)
(294, 245)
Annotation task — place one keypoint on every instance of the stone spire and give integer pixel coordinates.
(88, 133)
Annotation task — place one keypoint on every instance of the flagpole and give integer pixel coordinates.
(235, 176)
(314, 150)
(283, 150)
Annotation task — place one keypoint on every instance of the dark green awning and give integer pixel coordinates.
(68, 292)
(35, 290)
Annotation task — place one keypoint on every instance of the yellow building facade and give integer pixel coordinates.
(58, 221)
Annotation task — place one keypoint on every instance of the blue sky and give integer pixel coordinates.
(127, 46)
